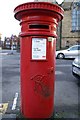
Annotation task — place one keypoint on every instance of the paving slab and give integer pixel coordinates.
(9, 117)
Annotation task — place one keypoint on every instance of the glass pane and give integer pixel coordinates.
(74, 48)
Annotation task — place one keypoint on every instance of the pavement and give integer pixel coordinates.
(70, 102)
(6, 111)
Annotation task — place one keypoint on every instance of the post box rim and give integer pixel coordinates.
(40, 6)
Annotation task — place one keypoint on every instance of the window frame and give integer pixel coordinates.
(76, 17)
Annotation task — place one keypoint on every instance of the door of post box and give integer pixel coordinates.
(38, 76)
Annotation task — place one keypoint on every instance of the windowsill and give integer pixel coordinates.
(75, 30)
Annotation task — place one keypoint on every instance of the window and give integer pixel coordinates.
(76, 17)
(79, 48)
(74, 48)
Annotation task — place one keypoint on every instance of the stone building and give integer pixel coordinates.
(71, 24)
(69, 28)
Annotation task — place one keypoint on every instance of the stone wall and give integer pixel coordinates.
(69, 37)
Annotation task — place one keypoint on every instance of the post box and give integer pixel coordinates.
(39, 21)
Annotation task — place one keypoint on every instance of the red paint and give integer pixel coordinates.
(38, 20)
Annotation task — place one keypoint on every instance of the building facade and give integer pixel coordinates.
(10, 42)
(69, 29)
(71, 24)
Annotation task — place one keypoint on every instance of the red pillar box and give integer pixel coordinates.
(39, 21)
